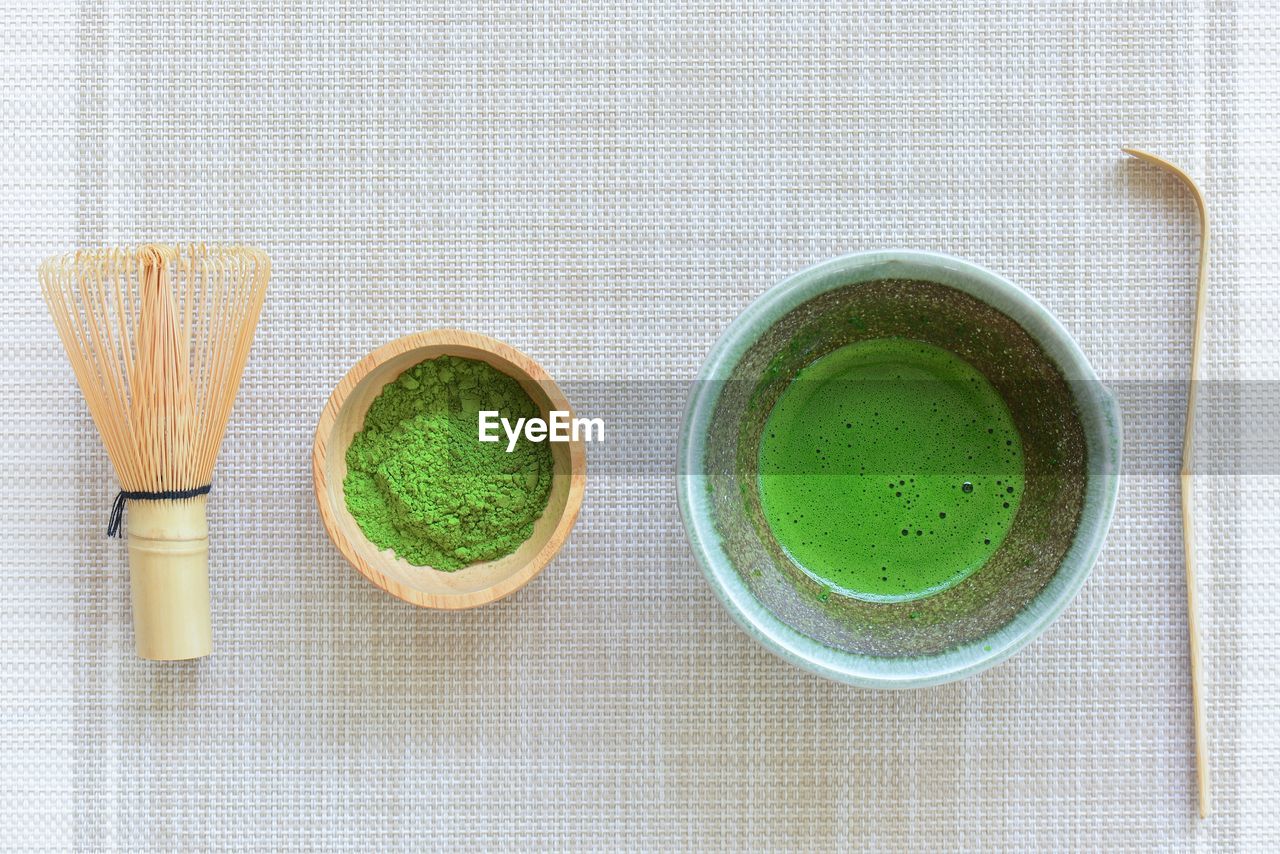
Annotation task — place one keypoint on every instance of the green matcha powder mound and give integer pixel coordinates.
(421, 483)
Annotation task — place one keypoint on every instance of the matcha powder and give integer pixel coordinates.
(421, 483)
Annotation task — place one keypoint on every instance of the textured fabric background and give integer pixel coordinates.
(605, 185)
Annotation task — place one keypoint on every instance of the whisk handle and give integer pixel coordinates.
(169, 578)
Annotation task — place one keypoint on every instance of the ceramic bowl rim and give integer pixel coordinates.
(1036, 615)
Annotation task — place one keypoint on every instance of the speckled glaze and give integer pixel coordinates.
(1071, 440)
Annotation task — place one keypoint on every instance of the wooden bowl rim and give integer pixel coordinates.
(328, 419)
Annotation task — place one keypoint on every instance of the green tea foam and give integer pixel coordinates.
(890, 469)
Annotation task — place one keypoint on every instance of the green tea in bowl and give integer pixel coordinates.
(897, 468)
(890, 469)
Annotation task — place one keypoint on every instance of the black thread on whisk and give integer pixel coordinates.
(117, 507)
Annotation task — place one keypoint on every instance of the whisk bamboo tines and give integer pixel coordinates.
(158, 337)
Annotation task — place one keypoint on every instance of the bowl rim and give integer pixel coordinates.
(968, 659)
(328, 419)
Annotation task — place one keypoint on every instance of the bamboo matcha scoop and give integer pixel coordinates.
(1188, 525)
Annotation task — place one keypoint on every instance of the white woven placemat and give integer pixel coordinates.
(605, 185)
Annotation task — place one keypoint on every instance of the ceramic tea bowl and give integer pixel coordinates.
(1071, 435)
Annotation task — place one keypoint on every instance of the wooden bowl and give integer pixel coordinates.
(480, 583)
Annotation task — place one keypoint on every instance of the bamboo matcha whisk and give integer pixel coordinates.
(158, 338)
